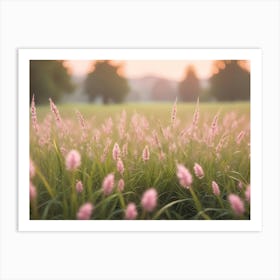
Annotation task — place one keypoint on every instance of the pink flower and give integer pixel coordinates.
(248, 193)
(120, 166)
(34, 115)
(32, 191)
(31, 169)
(240, 137)
(131, 211)
(55, 111)
(156, 139)
(184, 176)
(215, 188)
(85, 211)
(121, 185)
(146, 154)
(108, 184)
(73, 160)
(196, 115)
(107, 126)
(198, 171)
(174, 112)
(116, 151)
(81, 120)
(106, 150)
(236, 204)
(79, 186)
(214, 125)
(149, 200)
(240, 185)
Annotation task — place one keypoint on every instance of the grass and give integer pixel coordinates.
(94, 133)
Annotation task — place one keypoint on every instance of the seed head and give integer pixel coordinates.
(215, 188)
(198, 171)
(240, 137)
(131, 211)
(184, 176)
(85, 211)
(236, 204)
(149, 200)
(32, 191)
(34, 115)
(248, 193)
(120, 166)
(174, 113)
(146, 154)
(116, 151)
(31, 169)
(73, 160)
(121, 185)
(79, 186)
(108, 184)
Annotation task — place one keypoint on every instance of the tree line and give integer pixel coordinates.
(230, 81)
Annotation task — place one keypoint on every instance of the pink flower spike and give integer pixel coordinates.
(31, 169)
(108, 184)
(79, 186)
(248, 193)
(215, 188)
(198, 171)
(55, 111)
(131, 211)
(34, 115)
(174, 112)
(149, 200)
(73, 160)
(85, 211)
(146, 154)
(116, 151)
(120, 166)
(184, 176)
(240, 185)
(196, 115)
(236, 204)
(121, 185)
(32, 191)
(240, 137)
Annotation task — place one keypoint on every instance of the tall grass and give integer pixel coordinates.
(140, 146)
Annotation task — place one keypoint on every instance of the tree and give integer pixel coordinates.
(49, 79)
(231, 81)
(189, 88)
(106, 82)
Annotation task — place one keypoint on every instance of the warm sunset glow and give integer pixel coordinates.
(169, 69)
(78, 67)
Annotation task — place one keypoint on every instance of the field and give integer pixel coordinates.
(140, 161)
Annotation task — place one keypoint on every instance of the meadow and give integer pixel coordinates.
(140, 161)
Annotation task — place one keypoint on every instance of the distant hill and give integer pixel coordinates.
(152, 88)
(145, 89)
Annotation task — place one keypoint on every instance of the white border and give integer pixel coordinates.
(254, 55)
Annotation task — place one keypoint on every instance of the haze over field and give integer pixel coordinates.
(145, 89)
(148, 80)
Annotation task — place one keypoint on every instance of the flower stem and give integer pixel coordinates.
(198, 204)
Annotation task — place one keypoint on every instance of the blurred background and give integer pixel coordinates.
(108, 81)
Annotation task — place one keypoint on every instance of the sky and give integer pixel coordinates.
(170, 69)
